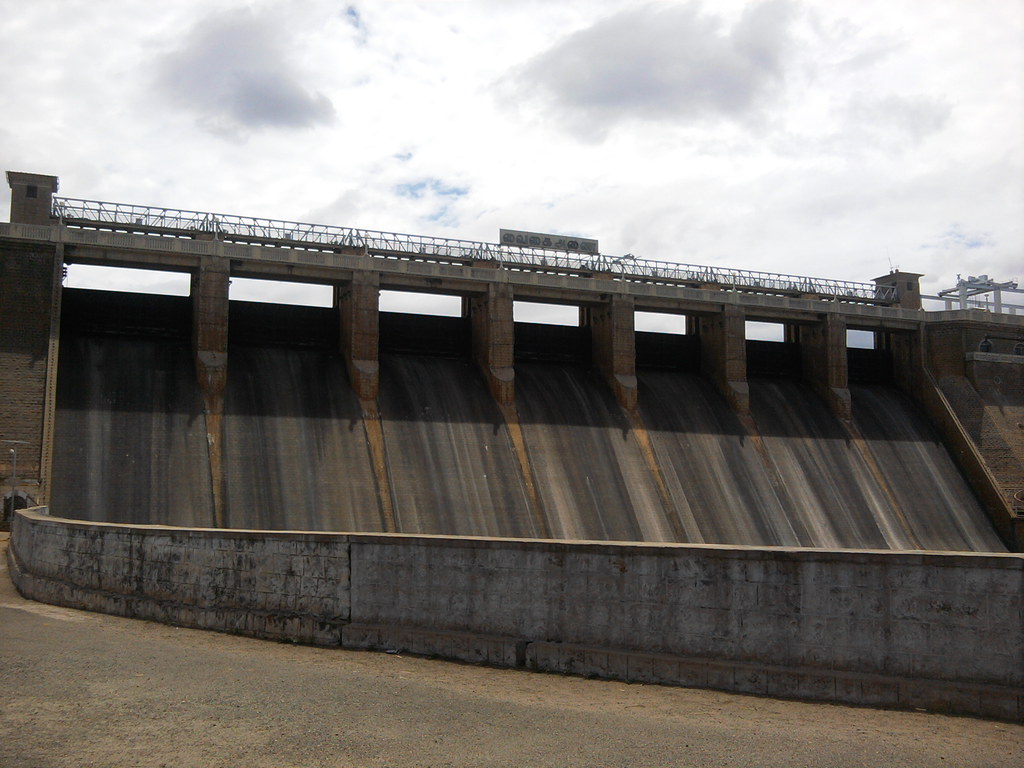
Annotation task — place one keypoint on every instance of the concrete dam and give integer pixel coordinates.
(130, 440)
(794, 518)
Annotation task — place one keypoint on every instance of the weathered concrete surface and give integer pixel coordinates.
(87, 689)
(911, 457)
(210, 347)
(358, 305)
(435, 454)
(936, 631)
(295, 445)
(494, 340)
(724, 355)
(613, 337)
(993, 415)
(451, 462)
(131, 433)
(824, 362)
(590, 473)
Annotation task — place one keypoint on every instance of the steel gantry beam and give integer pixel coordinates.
(167, 222)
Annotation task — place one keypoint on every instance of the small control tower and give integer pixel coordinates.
(31, 197)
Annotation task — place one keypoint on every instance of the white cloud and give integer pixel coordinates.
(233, 72)
(671, 63)
(801, 137)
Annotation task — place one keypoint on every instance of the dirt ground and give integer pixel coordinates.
(82, 689)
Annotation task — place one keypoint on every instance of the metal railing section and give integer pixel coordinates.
(234, 228)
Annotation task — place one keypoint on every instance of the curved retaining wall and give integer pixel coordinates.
(938, 631)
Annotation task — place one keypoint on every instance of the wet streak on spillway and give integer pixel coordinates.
(590, 475)
(451, 464)
(828, 490)
(130, 435)
(717, 481)
(294, 443)
(938, 505)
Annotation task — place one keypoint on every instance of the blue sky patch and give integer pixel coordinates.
(956, 237)
(417, 190)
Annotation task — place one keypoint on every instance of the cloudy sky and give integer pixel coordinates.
(834, 138)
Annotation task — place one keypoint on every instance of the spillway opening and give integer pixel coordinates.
(282, 325)
(95, 277)
(858, 339)
(666, 341)
(545, 314)
(868, 357)
(550, 333)
(661, 322)
(416, 303)
(94, 312)
(424, 324)
(263, 291)
(772, 350)
(758, 330)
(281, 313)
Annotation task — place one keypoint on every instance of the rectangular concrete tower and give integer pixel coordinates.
(30, 293)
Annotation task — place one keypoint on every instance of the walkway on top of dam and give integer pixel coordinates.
(524, 253)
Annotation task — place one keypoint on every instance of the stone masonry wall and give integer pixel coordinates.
(939, 631)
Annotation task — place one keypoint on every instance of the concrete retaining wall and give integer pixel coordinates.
(939, 631)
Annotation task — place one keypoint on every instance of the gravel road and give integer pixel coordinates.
(82, 689)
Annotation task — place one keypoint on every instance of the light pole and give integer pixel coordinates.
(14, 473)
(14, 479)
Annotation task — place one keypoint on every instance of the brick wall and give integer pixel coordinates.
(939, 631)
(26, 296)
(996, 423)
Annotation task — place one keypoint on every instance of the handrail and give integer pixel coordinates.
(231, 227)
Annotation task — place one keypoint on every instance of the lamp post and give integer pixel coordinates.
(14, 480)
(14, 473)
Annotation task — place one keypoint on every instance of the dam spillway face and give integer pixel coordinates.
(202, 411)
(131, 446)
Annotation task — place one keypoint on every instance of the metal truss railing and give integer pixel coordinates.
(233, 228)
